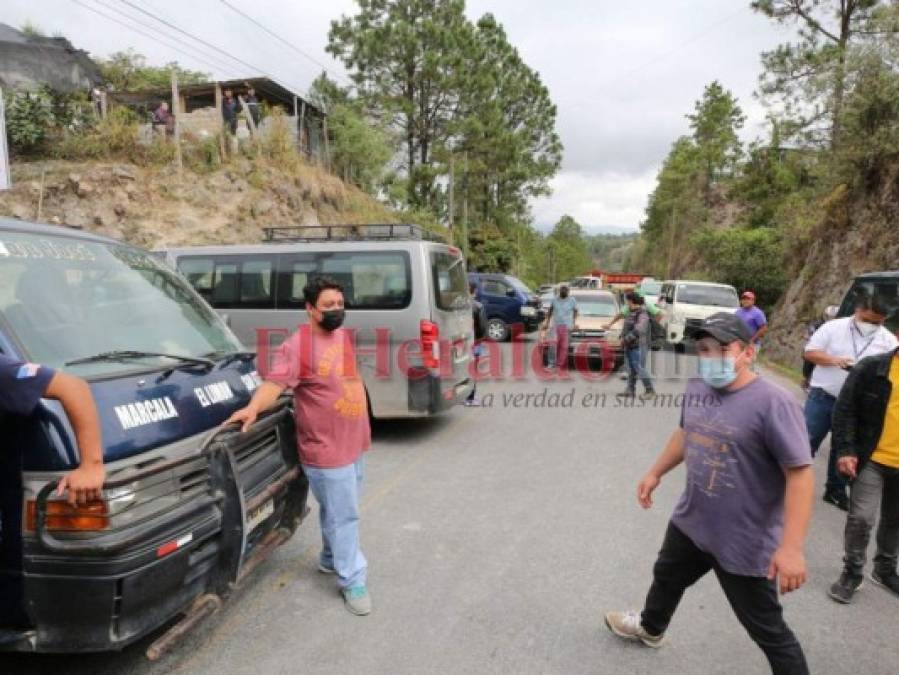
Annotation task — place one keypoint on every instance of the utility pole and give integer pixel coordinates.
(451, 205)
(465, 206)
(176, 111)
(5, 182)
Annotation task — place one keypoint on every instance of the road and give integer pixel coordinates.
(496, 538)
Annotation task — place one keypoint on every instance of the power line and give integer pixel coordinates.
(178, 48)
(246, 64)
(284, 41)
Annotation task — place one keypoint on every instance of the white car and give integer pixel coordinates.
(687, 303)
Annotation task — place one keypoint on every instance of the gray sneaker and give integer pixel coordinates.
(845, 587)
(324, 569)
(357, 600)
(627, 625)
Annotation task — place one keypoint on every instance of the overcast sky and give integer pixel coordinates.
(623, 74)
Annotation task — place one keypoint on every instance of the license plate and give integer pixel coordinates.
(260, 514)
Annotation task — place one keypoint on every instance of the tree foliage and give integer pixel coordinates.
(128, 71)
(716, 123)
(807, 77)
(473, 117)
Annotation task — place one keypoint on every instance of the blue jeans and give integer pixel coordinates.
(636, 367)
(337, 492)
(818, 416)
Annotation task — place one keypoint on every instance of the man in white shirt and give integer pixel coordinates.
(834, 348)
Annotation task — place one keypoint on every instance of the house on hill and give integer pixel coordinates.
(29, 62)
(201, 109)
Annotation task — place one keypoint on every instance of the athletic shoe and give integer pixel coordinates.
(845, 587)
(324, 569)
(357, 600)
(648, 396)
(472, 402)
(627, 625)
(888, 580)
(626, 394)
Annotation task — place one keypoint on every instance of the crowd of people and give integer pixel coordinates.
(749, 448)
(163, 119)
(747, 445)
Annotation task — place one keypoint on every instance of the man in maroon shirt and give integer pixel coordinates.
(318, 363)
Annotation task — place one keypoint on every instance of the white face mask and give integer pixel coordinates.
(865, 328)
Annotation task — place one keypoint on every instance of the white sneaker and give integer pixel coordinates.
(627, 625)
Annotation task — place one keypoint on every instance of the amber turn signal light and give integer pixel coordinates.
(62, 516)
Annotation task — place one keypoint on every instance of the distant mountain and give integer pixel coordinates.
(597, 229)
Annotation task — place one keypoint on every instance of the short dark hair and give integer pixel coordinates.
(472, 286)
(634, 297)
(316, 285)
(873, 302)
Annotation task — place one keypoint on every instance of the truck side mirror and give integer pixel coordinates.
(511, 293)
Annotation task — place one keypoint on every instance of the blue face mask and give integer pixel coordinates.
(718, 371)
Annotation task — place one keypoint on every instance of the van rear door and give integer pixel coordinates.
(451, 313)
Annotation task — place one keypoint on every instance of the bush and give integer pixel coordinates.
(29, 120)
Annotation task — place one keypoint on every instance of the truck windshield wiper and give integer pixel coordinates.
(126, 354)
(225, 358)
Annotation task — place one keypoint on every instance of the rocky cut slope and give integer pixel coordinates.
(857, 233)
(155, 207)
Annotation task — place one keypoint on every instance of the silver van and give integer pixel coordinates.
(406, 298)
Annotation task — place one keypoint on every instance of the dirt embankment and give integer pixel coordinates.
(859, 233)
(156, 207)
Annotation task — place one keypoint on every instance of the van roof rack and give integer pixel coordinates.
(344, 232)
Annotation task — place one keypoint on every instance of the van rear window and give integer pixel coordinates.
(450, 280)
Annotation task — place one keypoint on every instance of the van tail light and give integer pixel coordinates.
(62, 516)
(430, 344)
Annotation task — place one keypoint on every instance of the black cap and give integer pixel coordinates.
(725, 327)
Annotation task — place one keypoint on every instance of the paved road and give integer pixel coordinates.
(497, 537)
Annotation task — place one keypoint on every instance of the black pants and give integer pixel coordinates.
(754, 600)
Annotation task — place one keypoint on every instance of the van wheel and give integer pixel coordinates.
(497, 331)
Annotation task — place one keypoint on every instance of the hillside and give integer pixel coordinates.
(857, 234)
(153, 207)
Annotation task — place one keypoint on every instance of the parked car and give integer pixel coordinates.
(685, 304)
(507, 301)
(394, 281)
(595, 310)
(189, 508)
(545, 288)
(546, 299)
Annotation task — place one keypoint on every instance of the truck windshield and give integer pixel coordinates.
(713, 296)
(886, 289)
(69, 299)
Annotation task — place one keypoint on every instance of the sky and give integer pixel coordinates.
(622, 74)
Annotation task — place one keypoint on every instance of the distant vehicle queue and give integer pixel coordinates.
(208, 459)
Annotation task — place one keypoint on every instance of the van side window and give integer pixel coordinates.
(230, 282)
(224, 285)
(198, 272)
(371, 280)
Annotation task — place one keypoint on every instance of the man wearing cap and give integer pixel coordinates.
(834, 348)
(754, 318)
(745, 510)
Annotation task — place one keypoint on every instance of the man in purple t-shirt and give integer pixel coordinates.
(753, 317)
(746, 507)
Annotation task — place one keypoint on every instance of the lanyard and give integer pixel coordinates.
(865, 346)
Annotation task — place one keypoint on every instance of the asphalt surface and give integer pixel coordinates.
(496, 538)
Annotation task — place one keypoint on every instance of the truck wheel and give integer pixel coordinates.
(497, 330)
